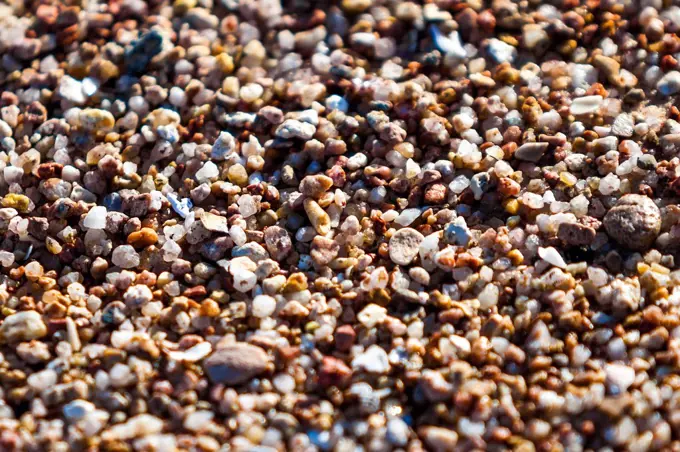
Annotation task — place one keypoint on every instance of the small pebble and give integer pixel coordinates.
(404, 245)
(634, 222)
(235, 364)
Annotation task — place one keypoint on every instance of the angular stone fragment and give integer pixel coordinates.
(585, 105)
(531, 152)
(214, 222)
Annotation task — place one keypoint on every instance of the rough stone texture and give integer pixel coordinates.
(404, 245)
(634, 222)
(575, 234)
(22, 326)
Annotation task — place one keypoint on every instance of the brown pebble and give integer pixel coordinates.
(344, 337)
(575, 234)
(142, 238)
(334, 372)
(235, 364)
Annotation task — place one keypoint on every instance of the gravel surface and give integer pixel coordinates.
(360, 225)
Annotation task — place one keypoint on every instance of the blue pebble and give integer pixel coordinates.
(306, 262)
(314, 167)
(182, 207)
(322, 440)
(456, 233)
(143, 51)
(336, 102)
(113, 202)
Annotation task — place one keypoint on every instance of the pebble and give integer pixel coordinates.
(552, 256)
(6, 258)
(531, 152)
(335, 102)
(214, 222)
(76, 410)
(438, 438)
(620, 376)
(198, 420)
(22, 326)
(248, 206)
(223, 146)
(315, 186)
(450, 45)
(669, 84)
(142, 52)
(397, 432)
(263, 306)
(42, 380)
(550, 120)
(344, 337)
(181, 206)
(610, 67)
(207, 172)
(95, 218)
(407, 216)
(137, 296)
(193, 354)
(372, 315)
(575, 234)
(457, 232)
(72, 90)
(624, 125)
(94, 119)
(318, 217)
(235, 364)
(585, 105)
(404, 245)
(141, 425)
(534, 36)
(324, 250)
(292, 128)
(634, 222)
(125, 256)
(278, 242)
(355, 6)
(373, 360)
(500, 51)
(244, 280)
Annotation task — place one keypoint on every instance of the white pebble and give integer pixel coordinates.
(95, 218)
(373, 360)
(585, 105)
(244, 280)
(207, 172)
(125, 256)
(372, 315)
(263, 306)
(552, 256)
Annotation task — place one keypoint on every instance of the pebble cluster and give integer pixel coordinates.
(360, 225)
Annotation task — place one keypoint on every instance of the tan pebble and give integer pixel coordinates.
(317, 216)
(142, 238)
